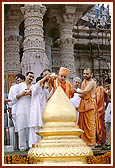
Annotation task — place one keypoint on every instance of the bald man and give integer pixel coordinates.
(87, 108)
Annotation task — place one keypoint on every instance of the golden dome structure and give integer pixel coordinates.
(60, 144)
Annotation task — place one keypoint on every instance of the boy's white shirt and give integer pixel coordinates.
(75, 100)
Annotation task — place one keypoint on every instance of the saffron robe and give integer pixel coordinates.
(100, 115)
(67, 87)
(87, 121)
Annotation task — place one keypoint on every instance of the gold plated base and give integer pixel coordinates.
(60, 150)
(60, 143)
(73, 161)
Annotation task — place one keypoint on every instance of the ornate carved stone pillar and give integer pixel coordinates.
(66, 41)
(48, 45)
(12, 57)
(66, 44)
(34, 57)
(12, 44)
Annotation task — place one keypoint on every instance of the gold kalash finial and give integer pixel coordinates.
(60, 144)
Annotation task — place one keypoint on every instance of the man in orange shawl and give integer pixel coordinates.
(101, 97)
(87, 108)
(62, 81)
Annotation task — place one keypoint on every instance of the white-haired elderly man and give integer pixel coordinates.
(76, 82)
(75, 100)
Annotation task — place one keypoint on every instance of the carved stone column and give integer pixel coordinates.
(66, 44)
(12, 42)
(34, 57)
(12, 57)
(66, 41)
(48, 45)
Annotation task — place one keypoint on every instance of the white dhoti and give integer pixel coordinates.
(14, 121)
(23, 138)
(33, 137)
(38, 102)
(22, 115)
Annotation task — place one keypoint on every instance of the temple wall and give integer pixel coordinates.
(52, 40)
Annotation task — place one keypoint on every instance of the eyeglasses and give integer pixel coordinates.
(77, 82)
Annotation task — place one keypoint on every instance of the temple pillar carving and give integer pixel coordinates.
(66, 44)
(12, 41)
(48, 46)
(66, 41)
(34, 56)
(12, 57)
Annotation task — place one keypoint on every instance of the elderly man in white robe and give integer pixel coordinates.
(40, 94)
(75, 100)
(23, 100)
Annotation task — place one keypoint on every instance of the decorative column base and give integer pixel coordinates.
(60, 150)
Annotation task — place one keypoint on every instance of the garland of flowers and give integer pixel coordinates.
(17, 159)
(100, 159)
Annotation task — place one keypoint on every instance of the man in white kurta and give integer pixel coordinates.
(40, 95)
(20, 78)
(23, 97)
(12, 106)
(75, 100)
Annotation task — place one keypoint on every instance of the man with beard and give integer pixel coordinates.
(62, 81)
(23, 100)
(87, 108)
